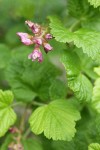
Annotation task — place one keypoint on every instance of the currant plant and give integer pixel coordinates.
(50, 76)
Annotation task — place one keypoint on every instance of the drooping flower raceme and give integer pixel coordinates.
(39, 38)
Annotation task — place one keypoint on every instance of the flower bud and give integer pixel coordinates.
(25, 38)
(48, 36)
(33, 26)
(13, 130)
(47, 47)
(38, 41)
(29, 23)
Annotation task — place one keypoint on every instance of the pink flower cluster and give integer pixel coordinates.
(40, 38)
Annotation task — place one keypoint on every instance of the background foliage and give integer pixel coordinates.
(56, 104)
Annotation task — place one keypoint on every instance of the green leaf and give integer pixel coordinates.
(35, 78)
(94, 146)
(5, 55)
(96, 96)
(6, 99)
(60, 33)
(95, 3)
(31, 144)
(96, 92)
(86, 134)
(57, 90)
(88, 40)
(56, 120)
(82, 87)
(97, 70)
(79, 84)
(77, 8)
(97, 123)
(87, 68)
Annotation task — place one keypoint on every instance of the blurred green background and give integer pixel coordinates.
(14, 13)
(12, 20)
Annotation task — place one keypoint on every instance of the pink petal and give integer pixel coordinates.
(47, 47)
(38, 41)
(48, 36)
(36, 54)
(29, 23)
(33, 26)
(25, 38)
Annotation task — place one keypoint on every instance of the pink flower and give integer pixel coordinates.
(47, 47)
(38, 41)
(36, 54)
(25, 38)
(48, 36)
(33, 26)
(36, 28)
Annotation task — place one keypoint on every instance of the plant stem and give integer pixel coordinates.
(38, 103)
(34, 103)
(75, 25)
(22, 122)
(15, 104)
(28, 131)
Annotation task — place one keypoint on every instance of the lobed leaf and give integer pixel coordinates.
(56, 120)
(60, 33)
(88, 40)
(29, 80)
(96, 92)
(95, 3)
(94, 146)
(77, 82)
(7, 115)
